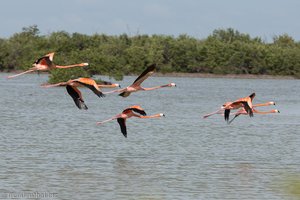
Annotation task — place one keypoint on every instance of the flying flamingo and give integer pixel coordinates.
(136, 86)
(245, 102)
(73, 91)
(221, 110)
(45, 63)
(133, 111)
(242, 111)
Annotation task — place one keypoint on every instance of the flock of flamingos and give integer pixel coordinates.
(243, 105)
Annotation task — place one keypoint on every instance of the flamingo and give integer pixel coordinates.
(132, 111)
(245, 102)
(45, 63)
(221, 110)
(73, 91)
(136, 86)
(242, 111)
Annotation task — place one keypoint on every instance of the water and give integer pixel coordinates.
(48, 145)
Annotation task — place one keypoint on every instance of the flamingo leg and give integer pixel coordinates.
(28, 71)
(53, 85)
(213, 113)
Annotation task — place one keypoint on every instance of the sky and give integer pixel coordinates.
(197, 18)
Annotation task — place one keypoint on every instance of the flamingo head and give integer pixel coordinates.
(272, 103)
(162, 114)
(276, 111)
(172, 85)
(117, 85)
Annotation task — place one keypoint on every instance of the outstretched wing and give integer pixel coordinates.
(45, 60)
(248, 109)
(122, 124)
(142, 112)
(149, 71)
(91, 84)
(76, 95)
(137, 110)
(234, 118)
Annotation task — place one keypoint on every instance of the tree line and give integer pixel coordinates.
(225, 51)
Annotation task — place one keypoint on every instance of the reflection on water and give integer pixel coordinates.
(48, 145)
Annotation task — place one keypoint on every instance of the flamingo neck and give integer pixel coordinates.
(70, 66)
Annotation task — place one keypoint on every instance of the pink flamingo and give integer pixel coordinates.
(133, 111)
(136, 86)
(245, 102)
(73, 91)
(221, 110)
(45, 63)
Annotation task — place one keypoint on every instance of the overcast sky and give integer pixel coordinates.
(197, 18)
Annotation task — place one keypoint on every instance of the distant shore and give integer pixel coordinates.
(233, 76)
(198, 75)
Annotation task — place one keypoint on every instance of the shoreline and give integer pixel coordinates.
(229, 76)
(195, 75)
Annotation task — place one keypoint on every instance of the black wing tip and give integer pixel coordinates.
(251, 113)
(226, 115)
(82, 105)
(152, 67)
(121, 122)
(100, 94)
(122, 94)
(252, 95)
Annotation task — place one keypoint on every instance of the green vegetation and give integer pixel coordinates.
(225, 51)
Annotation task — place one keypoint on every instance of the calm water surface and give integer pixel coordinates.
(48, 145)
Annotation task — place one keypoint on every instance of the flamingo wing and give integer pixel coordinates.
(76, 95)
(252, 96)
(149, 71)
(235, 116)
(91, 84)
(122, 124)
(125, 94)
(45, 60)
(137, 110)
(248, 108)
